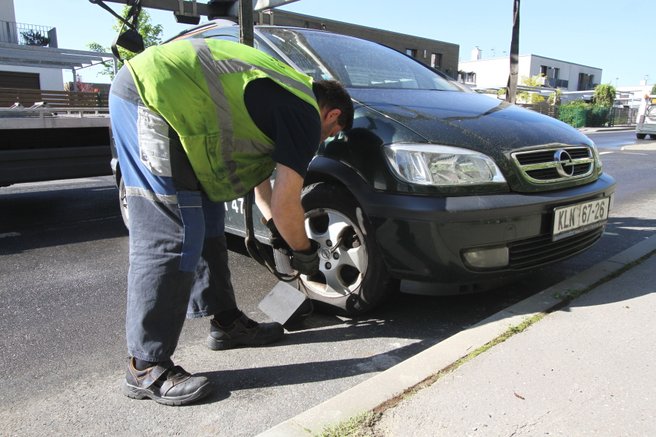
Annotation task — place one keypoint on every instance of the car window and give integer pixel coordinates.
(232, 34)
(651, 112)
(352, 61)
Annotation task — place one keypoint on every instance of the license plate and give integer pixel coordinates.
(572, 219)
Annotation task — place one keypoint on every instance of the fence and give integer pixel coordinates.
(616, 117)
(623, 116)
(55, 99)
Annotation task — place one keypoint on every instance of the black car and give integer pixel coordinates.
(434, 183)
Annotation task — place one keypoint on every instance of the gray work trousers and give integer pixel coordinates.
(160, 294)
(178, 255)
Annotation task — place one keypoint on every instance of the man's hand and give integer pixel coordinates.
(306, 262)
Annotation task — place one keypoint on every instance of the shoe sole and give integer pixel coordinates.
(134, 392)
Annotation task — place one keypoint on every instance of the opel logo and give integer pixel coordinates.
(565, 166)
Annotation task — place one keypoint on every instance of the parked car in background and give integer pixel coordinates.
(646, 118)
(434, 184)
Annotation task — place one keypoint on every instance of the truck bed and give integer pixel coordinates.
(53, 143)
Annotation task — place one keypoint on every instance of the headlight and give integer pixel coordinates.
(426, 164)
(597, 158)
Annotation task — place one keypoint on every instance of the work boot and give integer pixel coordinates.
(165, 384)
(243, 332)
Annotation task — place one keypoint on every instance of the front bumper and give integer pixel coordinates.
(423, 238)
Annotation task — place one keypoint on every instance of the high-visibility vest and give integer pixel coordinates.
(197, 86)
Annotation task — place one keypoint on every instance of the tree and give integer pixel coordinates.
(555, 97)
(653, 89)
(531, 97)
(604, 95)
(151, 34)
(534, 81)
(35, 38)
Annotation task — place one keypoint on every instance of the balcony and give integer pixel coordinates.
(27, 34)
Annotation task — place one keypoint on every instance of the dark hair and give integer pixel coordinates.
(332, 94)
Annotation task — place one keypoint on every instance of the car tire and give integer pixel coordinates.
(123, 203)
(641, 136)
(352, 278)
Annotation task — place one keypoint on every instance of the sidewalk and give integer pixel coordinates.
(585, 368)
(621, 127)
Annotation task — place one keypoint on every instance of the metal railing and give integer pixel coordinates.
(27, 34)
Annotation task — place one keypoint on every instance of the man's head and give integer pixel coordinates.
(335, 106)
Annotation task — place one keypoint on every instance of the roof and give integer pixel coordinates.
(48, 57)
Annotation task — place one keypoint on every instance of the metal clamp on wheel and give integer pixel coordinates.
(284, 304)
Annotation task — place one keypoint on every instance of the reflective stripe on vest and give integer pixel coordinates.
(224, 119)
(212, 69)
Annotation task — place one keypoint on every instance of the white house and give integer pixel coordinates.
(30, 58)
(493, 72)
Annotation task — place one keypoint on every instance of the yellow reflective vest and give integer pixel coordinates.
(197, 86)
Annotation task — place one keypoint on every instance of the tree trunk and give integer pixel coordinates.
(511, 92)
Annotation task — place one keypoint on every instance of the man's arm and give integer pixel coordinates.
(263, 198)
(286, 209)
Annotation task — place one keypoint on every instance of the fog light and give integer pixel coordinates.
(487, 258)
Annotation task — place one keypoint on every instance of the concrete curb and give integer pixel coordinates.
(606, 129)
(388, 384)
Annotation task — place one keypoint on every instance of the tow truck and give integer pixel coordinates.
(40, 143)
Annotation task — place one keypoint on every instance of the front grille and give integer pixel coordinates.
(541, 250)
(555, 164)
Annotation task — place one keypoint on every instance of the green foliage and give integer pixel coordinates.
(574, 113)
(34, 38)
(580, 114)
(597, 116)
(152, 35)
(653, 89)
(554, 98)
(358, 426)
(531, 98)
(536, 80)
(604, 95)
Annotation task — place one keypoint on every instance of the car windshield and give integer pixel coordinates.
(352, 61)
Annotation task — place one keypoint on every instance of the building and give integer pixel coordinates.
(437, 54)
(30, 57)
(493, 72)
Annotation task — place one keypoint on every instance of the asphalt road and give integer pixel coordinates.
(63, 263)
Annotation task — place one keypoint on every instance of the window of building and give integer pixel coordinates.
(411, 52)
(436, 60)
(543, 70)
(468, 77)
(586, 82)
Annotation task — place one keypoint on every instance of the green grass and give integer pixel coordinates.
(358, 426)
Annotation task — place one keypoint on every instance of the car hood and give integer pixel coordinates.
(470, 120)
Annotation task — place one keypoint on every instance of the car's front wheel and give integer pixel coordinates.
(352, 277)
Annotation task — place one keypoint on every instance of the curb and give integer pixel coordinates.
(396, 380)
(606, 129)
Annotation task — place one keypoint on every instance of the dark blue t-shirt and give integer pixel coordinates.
(293, 124)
